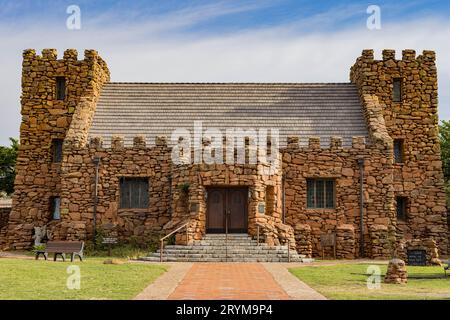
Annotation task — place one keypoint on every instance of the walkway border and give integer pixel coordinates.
(162, 287)
(295, 288)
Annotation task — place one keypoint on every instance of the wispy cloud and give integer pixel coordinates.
(144, 24)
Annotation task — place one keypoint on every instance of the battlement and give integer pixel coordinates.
(118, 143)
(70, 58)
(69, 55)
(313, 143)
(408, 55)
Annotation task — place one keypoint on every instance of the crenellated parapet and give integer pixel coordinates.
(408, 55)
(117, 143)
(70, 56)
(314, 144)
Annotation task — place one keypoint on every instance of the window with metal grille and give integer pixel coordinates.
(55, 206)
(60, 88)
(398, 150)
(401, 207)
(134, 193)
(57, 150)
(320, 193)
(397, 90)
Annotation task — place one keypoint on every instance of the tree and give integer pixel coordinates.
(8, 156)
(444, 137)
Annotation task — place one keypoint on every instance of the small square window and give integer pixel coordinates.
(401, 208)
(134, 193)
(398, 150)
(60, 88)
(320, 193)
(57, 150)
(55, 208)
(397, 90)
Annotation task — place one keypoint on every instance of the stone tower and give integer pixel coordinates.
(50, 118)
(411, 119)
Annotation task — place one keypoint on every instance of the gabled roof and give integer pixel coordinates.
(303, 109)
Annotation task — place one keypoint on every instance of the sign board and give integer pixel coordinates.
(109, 240)
(327, 240)
(261, 208)
(417, 257)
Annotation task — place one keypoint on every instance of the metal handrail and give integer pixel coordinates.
(226, 237)
(289, 250)
(258, 225)
(161, 240)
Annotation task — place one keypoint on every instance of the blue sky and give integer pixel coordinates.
(238, 41)
(220, 16)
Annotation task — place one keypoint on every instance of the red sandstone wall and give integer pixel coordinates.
(415, 120)
(43, 119)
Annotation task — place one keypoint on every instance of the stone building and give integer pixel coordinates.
(358, 160)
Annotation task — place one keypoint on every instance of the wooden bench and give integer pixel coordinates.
(61, 248)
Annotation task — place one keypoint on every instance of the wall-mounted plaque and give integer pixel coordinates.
(261, 208)
(417, 257)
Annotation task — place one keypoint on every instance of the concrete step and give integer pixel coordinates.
(219, 259)
(216, 248)
(224, 257)
(225, 253)
(219, 247)
(229, 252)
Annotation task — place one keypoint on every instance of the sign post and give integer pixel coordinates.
(109, 241)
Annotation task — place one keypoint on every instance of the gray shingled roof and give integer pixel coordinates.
(152, 109)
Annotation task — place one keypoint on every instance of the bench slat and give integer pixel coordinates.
(64, 246)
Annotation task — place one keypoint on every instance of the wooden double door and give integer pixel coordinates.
(227, 210)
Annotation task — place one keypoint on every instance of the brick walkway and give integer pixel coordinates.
(226, 281)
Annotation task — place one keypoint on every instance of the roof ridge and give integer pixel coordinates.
(236, 83)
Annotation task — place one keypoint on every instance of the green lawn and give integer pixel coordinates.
(30, 279)
(349, 281)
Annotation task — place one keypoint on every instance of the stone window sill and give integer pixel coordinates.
(321, 210)
(131, 212)
(133, 209)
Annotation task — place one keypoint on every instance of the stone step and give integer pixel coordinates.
(283, 256)
(215, 248)
(210, 243)
(179, 253)
(230, 235)
(222, 259)
(243, 251)
(218, 247)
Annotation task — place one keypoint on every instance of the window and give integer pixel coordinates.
(133, 193)
(398, 150)
(397, 91)
(55, 205)
(57, 145)
(320, 193)
(60, 88)
(401, 208)
(270, 200)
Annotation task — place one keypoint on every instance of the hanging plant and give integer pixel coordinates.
(184, 187)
